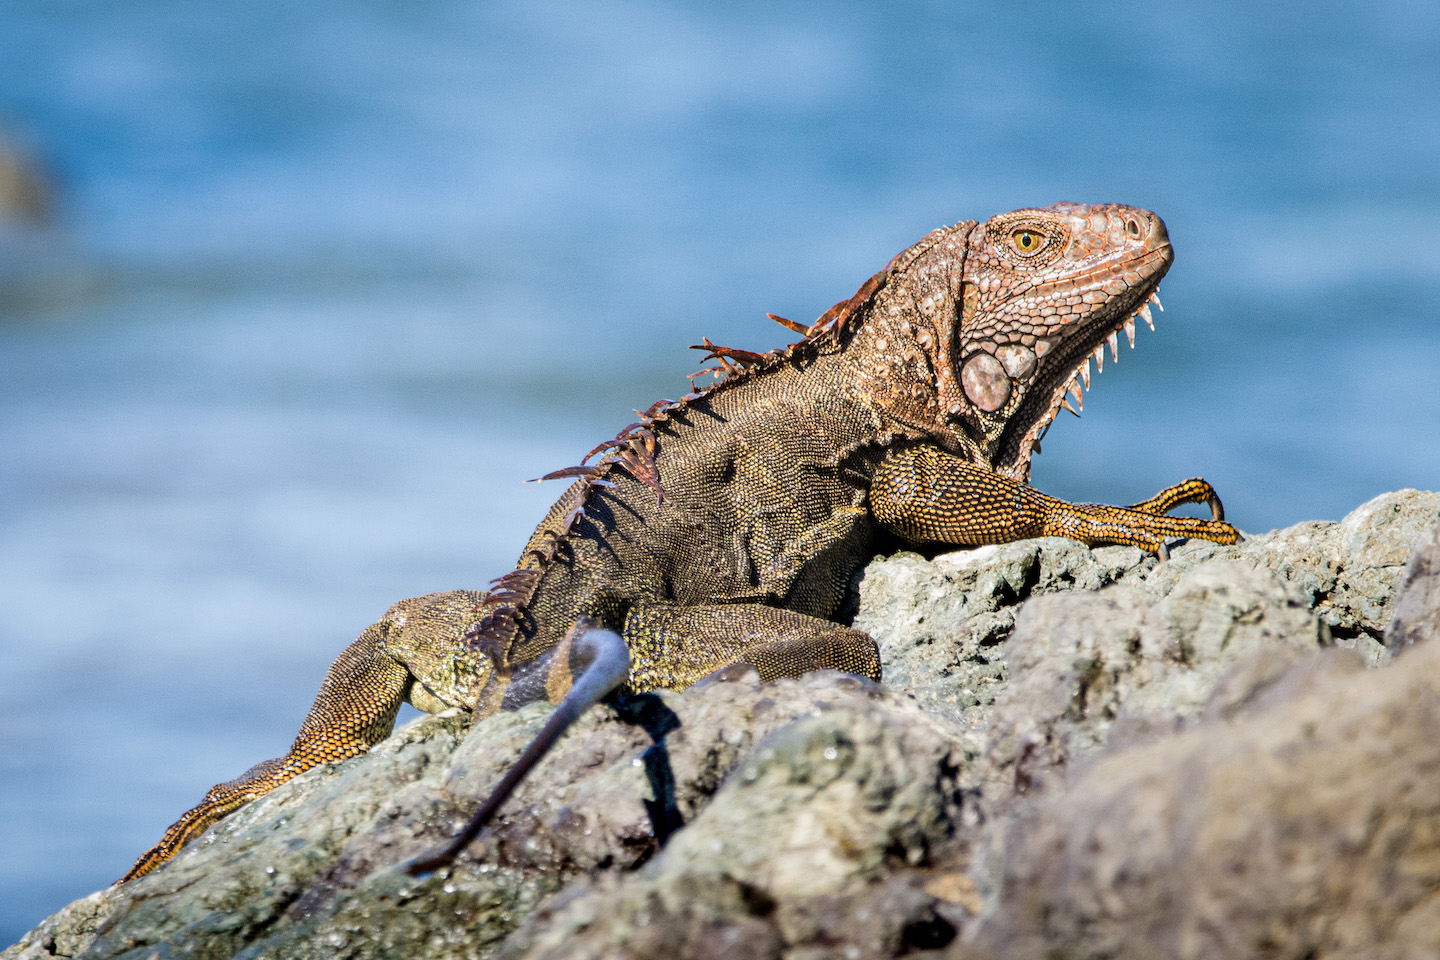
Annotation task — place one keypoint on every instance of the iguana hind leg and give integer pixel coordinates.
(672, 647)
(666, 646)
(929, 496)
(412, 654)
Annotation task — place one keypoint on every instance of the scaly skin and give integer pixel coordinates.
(724, 529)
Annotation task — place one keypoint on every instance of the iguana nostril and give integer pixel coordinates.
(1132, 228)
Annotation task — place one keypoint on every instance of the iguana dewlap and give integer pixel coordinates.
(724, 528)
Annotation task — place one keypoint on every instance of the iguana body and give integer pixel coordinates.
(725, 528)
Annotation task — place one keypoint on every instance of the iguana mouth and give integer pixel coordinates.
(1065, 376)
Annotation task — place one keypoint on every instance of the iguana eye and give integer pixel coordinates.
(1026, 241)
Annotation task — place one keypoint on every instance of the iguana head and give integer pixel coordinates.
(1007, 314)
(1043, 291)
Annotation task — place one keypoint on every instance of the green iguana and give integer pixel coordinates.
(723, 529)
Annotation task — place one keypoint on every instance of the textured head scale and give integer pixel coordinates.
(1042, 290)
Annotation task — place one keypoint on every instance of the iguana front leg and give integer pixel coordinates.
(415, 653)
(929, 496)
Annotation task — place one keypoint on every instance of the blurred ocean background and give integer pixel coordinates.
(302, 292)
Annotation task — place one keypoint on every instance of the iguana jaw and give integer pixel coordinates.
(1031, 320)
(1064, 388)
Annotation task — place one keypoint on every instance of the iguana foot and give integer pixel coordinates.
(1194, 490)
(1095, 523)
(672, 647)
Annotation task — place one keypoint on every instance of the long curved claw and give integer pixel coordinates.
(607, 668)
(1194, 490)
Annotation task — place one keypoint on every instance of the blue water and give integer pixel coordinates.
(328, 280)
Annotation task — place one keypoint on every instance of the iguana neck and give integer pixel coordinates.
(903, 349)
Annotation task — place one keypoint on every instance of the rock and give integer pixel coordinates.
(939, 622)
(1350, 570)
(1417, 603)
(810, 825)
(1071, 750)
(1305, 829)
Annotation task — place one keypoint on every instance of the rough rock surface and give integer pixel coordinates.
(1417, 605)
(1077, 753)
(1311, 828)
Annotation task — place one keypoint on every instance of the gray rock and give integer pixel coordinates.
(1417, 600)
(1349, 570)
(816, 818)
(1040, 696)
(313, 869)
(942, 624)
(1305, 827)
